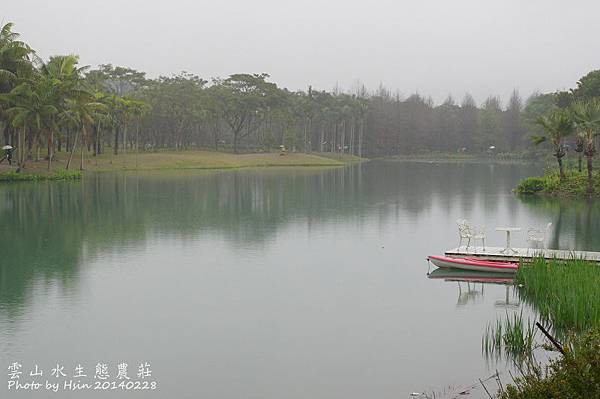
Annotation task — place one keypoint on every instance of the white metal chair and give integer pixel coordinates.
(468, 232)
(538, 236)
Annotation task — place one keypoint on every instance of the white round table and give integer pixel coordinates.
(508, 231)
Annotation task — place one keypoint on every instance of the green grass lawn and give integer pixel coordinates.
(176, 160)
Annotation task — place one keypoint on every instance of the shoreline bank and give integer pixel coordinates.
(169, 161)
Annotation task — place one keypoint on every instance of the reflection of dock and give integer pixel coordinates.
(495, 253)
(472, 279)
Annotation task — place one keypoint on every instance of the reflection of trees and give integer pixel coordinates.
(41, 238)
(46, 226)
(576, 222)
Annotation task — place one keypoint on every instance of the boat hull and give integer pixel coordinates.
(473, 264)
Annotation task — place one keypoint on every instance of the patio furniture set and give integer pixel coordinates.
(470, 233)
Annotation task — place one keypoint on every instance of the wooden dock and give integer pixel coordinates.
(494, 253)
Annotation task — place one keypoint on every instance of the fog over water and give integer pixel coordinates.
(435, 47)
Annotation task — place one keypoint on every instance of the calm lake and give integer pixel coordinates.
(276, 283)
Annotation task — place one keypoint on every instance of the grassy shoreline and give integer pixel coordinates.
(445, 157)
(169, 160)
(56, 175)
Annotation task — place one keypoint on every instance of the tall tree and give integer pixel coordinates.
(491, 125)
(587, 118)
(469, 123)
(588, 86)
(243, 100)
(512, 121)
(15, 65)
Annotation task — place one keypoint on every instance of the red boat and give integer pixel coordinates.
(473, 264)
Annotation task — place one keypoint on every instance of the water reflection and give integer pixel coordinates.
(265, 274)
(575, 221)
(471, 284)
(509, 301)
(48, 228)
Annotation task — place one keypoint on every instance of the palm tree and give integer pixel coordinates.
(15, 64)
(587, 118)
(31, 110)
(60, 79)
(579, 144)
(15, 58)
(81, 112)
(558, 125)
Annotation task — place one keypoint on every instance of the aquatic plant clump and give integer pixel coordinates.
(565, 293)
(513, 336)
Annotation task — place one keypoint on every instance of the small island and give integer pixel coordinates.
(570, 126)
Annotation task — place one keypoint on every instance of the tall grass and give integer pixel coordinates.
(566, 294)
(512, 336)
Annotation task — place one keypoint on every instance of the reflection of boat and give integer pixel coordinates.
(473, 264)
(470, 276)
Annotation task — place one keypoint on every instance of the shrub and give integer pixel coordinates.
(574, 375)
(531, 185)
(63, 174)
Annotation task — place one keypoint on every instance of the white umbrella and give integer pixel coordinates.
(7, 147)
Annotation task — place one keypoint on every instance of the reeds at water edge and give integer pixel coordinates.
(566, 297)
(566, 294)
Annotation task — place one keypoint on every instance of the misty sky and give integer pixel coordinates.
(434, 47)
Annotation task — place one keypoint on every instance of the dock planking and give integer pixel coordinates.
(494, 253)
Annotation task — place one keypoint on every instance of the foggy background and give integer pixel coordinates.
(431, 47)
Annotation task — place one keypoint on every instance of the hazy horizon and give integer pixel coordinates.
(435, 48)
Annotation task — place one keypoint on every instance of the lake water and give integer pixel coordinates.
(277, 283)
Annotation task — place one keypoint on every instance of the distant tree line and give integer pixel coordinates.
(56, 105)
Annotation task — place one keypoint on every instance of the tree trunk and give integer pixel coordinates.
(236, 138)
(360, 137)
(561, 170)
(305, 134)
(343, 138)
(309, 134)
(216, 137)
(579, 161)
(21, 149)
(137, 143)
(5, 133)
(82, 148)
(98, 142)
(322, 139)
(68, 140)
(72, 150)
(50, 147)
(116, 149)
(590, 187)
(352, 132)
(125, 139)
